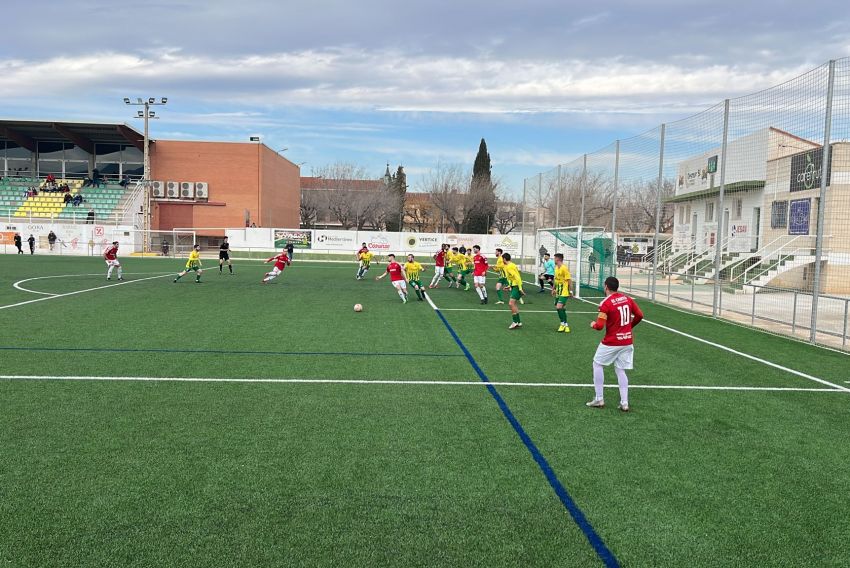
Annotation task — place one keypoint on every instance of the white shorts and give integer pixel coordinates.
(275, 271)
(439, 270)
(113, 263)
(622, 356)
(400, 284)
(479, 280)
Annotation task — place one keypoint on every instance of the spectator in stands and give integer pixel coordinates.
(31, 242)
(65, 188)
(77, 200)
(125, 181)
(51, 181)
(67, 198)
(90, 217)
(51, 239)
(87, 182)
(95, 178)
(18, 243)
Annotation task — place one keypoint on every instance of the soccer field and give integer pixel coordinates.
(231, 423)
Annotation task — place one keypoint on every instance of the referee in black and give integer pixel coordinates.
(224, 254)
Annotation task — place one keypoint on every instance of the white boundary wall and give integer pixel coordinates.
(73, 239)
(380, 242)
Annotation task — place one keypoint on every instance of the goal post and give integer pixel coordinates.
(131, 241)
(589, 252)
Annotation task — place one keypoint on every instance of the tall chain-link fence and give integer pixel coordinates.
(741, 211)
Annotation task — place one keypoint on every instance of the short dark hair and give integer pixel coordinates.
(507, 256)
(454, 248)
(391, 255)
(546, 254)
(499, 250)
(476, 247)
(113, 242)
(612, 283)
(559, 255)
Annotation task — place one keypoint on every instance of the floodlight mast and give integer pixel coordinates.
(147, 114)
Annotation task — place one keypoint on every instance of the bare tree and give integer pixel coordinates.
(508, 216)
(448, 187)
(419, 215)
(353, 199)
(309, 209)
(637, 204)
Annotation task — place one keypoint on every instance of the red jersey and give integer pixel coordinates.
(394, 269)
(280, 261)
(618, 314)
(481, 265)
(440, 259)
(111, 252)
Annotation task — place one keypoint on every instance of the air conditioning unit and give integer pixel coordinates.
(158, 188)
(202, 190)
(172, 190)
(187, 189)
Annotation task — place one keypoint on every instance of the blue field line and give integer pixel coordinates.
(222, 351)
(576, 513)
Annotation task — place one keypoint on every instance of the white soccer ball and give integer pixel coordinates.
(358, 308)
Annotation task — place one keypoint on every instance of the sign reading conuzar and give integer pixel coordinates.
(806, 170)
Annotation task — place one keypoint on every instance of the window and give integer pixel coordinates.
(681, 214)
(709, 212)
(779, 215)
(739, 208)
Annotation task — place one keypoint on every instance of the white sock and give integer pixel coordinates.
(109, 272)
(623, 381)
(434, 279)
(598, 379)
(401, 294)
(479, 292)
(484, 291)
(120, 272)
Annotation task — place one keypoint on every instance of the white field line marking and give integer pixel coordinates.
(22, 289)
(506, 310)
(587, 385)
(81, 291)
(744, 355)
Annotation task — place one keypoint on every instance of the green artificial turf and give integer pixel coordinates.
(133, 473)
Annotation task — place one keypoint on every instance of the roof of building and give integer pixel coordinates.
(737, 187)
(26, 133)
(327, 184)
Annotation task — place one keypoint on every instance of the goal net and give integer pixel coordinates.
(589, 253)
(161, 243)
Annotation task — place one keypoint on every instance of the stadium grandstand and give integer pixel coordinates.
(85, 172)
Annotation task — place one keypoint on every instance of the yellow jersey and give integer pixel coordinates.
(562, 280)
(194, 259)
(500, 267)
(513, 275)
(366, 257)
(412, 269)
(462, 261)
(451, 258)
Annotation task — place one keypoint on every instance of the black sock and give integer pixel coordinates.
(230, 268)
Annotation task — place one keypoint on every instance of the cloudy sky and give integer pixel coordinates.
(372, 81)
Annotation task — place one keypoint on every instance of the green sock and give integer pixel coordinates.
(562, 313)
(499, 294)
(517, 319)
(178, 277)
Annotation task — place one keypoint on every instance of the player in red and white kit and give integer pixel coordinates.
(618, 314)
(281, 261)
(110, 255)
(479, 273)
(439, 266)
(397, 277)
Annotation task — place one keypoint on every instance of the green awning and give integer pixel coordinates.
(736, 187)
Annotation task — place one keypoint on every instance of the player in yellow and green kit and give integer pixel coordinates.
(194, 263)
(502, 282)
(514, 279)
(464, 267)
(451, 266)
(561, 291)
(364, 255)
(413, 270)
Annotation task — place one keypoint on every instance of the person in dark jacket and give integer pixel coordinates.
(31, 242)
(18, 243)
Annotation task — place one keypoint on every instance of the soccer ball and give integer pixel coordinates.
(358, 308)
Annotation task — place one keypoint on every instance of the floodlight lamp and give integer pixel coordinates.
(152, 114)
(126, 100)
(140, 114)
(164, 100)
(151, 100)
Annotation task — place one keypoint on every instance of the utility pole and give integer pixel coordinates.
(147, 114)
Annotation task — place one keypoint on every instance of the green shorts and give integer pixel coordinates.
(561, 300)
(195, 267)
(516, 293)
(504, 282)
(415, 283)
(448, 270)
(466, 271)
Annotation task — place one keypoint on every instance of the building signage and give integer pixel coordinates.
(798, 219)
(806, 170)
(712, 165)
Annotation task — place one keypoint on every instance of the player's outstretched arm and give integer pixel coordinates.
(600, 321)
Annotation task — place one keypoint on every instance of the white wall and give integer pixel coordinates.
(80, 240)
